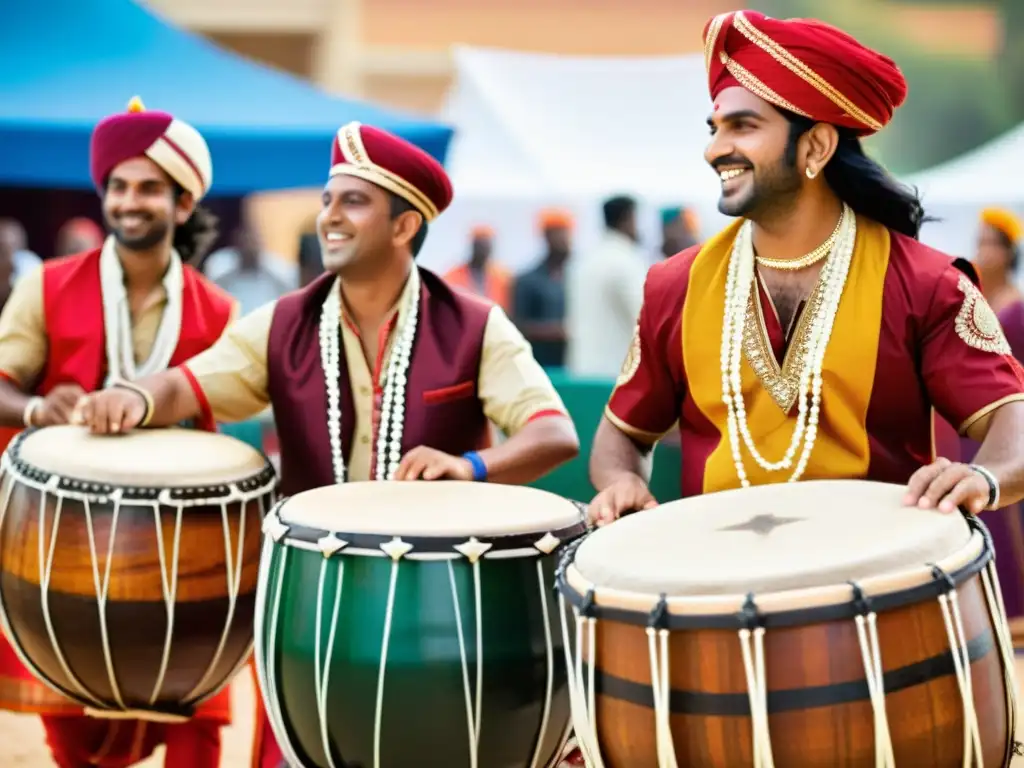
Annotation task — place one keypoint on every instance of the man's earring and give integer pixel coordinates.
(810, 174)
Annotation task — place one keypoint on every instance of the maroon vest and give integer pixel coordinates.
(442, 408)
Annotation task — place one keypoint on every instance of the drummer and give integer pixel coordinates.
(65, 330)
(912, 335)
(375, 370)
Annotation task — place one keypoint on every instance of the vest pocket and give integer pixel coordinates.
(448, 394)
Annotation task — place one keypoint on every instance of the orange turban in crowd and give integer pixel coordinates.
(554, 218)
(1005, 221)
(172, 144)
(803, 66)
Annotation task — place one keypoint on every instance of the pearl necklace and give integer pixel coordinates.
(395, 374)
(739, 283)
(793, 265)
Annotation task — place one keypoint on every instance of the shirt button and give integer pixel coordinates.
(364, 391)
(365, 439)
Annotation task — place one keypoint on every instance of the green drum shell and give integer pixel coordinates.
(322, 624)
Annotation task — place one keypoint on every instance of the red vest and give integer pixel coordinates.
(442, 407)
(73, 313)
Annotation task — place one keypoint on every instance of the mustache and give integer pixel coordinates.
(732, 160)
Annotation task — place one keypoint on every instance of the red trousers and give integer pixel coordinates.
(77, 741)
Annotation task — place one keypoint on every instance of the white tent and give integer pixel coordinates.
(958, 189)
(534, 130)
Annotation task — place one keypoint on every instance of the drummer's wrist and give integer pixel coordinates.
(478, 464)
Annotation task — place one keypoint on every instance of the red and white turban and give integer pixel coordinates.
(393, 163)
(803, 66)
(174, 145)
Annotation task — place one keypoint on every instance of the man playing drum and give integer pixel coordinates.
(128, 309)
(376, 370)
(815, 337)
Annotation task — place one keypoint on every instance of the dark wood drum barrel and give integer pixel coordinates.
(129, 564)
(809, 625)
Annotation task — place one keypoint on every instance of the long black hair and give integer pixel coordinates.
(195, 237)
(862, 183)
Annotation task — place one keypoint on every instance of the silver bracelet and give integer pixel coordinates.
(30, 409)
(993, 486)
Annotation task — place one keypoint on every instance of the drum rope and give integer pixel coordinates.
(874, 673)
(997, 611)
(169, 591)
(322, 670)
(657, 646)
(471, 723)
(266, 673)
(953, 620)
(378, 718)
(101, 592)
(549, 659)
(757, 693)
(45, 575)
(590, 749)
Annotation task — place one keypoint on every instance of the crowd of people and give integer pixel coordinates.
(816, 328)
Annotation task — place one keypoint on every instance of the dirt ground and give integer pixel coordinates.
(22, 745)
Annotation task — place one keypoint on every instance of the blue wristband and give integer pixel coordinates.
(479, 468)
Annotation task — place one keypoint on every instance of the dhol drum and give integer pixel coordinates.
(128, 564)
(410, 624)
(788, 626)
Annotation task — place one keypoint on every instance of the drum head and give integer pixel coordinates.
(442, 509)
(769, 538)
(143, 458)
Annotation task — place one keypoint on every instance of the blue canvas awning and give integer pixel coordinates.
(65, 64)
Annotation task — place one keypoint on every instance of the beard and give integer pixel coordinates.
(143, 240)
(768, 188)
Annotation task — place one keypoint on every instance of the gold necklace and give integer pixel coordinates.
(792, 265)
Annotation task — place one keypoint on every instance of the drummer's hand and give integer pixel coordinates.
(422, 463)
(946, 485)
(627, 494)
(110, 411)
(57, 406)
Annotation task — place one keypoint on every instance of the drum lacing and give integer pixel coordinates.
(657, 643)
(752, 648)
(997, 611)
(581, 698)
(953, 620)
(871, 654)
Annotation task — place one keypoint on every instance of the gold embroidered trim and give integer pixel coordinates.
(783, 384)
(712, 38)
(801, 70)
(641, 435)
(977, 324)
(632, 362)
(748, 80)
(360, 164)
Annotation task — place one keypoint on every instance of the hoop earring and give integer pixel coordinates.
(810, 174)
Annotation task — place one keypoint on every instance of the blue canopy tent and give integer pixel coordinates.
(65, 64)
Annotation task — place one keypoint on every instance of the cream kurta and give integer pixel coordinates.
(23, 342)
(512, 385)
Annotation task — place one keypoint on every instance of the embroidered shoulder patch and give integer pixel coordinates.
(977, 324)
(632, 362)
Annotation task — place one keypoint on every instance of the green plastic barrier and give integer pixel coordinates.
(585, 399)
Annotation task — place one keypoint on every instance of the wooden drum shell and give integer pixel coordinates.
(95, 612)
(819, 710)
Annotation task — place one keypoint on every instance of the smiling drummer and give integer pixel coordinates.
(377, 369)
(108, 315)
(815, 337)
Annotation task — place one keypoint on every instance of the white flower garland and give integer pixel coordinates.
(392, 418)
(117, 321)
(739, 284)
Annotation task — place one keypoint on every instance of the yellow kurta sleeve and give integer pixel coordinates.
(232, 374)
(512, 386)
(23, 342)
